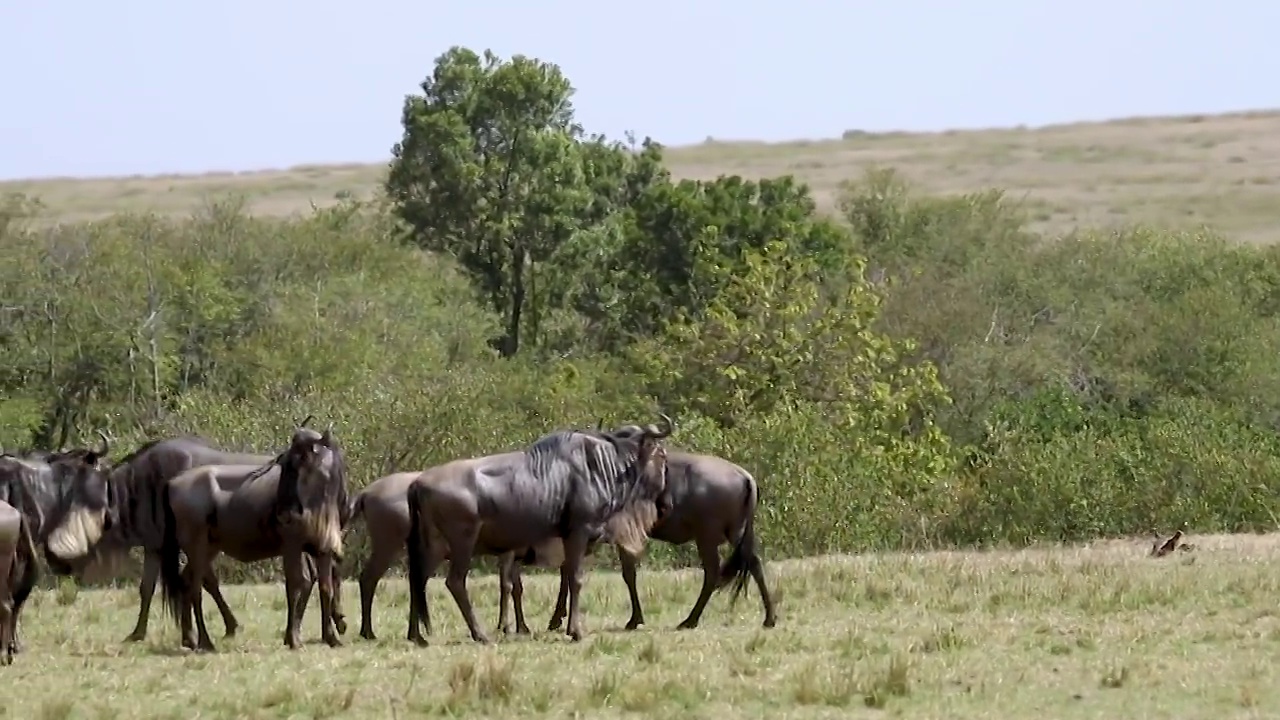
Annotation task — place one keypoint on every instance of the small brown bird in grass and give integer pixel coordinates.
(1160, 549)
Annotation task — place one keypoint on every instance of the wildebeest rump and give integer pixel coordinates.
(384, 506)
(566, 486)
(136, 485)
(43, 491)
(294, 506)
(18, 574)
(711, 501)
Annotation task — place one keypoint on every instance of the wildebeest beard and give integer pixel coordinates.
(309, 494)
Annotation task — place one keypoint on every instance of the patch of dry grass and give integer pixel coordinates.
(1102, 631)
(1218, 170)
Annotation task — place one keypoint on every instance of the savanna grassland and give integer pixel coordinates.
(1096, 631)
(961, 378)
(1221, 170)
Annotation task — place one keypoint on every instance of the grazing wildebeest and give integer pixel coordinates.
(18, 574)
(384, 506)
(137, 483)
(44, 491)
(290, 508)
(711, 501)
(565, 487)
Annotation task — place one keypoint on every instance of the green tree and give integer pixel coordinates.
(493, 170)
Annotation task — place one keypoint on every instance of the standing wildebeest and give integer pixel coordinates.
(384, 506)
(712, 501)
(290, 508)
(18, 574)
(566, 487)
(45, 492)
(137, 483)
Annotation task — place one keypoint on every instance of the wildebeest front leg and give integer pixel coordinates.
(709, 553)
(6, 629)
(628, 563)
(295, 580)
(325, 571)
(517, 599)
(146, 590)
(309, 565)
(575, 550)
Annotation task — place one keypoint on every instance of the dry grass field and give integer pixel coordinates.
(1098, 631)
(1221, 170)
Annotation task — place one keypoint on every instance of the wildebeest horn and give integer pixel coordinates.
(653, 430)
(305, 420)
(600, 423)
(106, 444)
(327, 437)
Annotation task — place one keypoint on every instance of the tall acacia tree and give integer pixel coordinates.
(493, 170)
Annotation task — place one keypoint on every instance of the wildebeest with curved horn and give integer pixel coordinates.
(137, 483)
(383, 505)
(291, 508)
(18, 574)
(710, 501)
(566, 486)
(44, 491)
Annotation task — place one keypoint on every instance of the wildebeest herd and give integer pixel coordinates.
(549, 504)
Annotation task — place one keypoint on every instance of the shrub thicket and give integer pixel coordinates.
(917, 372)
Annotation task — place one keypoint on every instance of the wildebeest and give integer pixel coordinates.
(566, 486)
(711, 501)
(44, 490)
(291, 508)
(384, 506)
(18, 574)
(136, 485)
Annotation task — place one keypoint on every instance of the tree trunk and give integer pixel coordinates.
(511, 342)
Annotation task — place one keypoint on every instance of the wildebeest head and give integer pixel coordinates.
(312, 487)
(647, 499)
(84, 508)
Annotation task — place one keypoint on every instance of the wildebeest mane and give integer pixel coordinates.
(314, 510)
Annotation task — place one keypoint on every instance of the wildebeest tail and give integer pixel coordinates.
(737, 568)
(355, 509)
(416, 549)
(170, 572)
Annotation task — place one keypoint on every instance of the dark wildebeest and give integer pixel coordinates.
(291, 508)
(565, 487)
(384, 506)
(711, 501)
(18, 574)
(45, 492)
(137, 483)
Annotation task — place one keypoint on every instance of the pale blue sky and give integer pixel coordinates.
(150, 86)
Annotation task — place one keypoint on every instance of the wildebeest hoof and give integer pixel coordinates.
(333, 641)
(574, 635)
(231, 631)
(555, 624)
(770, 622)
(687, 625)
(481, 638)
(340, 623)
(523, 630)
(136, 636)
(367, 634)
(419, 641)
(634, 623)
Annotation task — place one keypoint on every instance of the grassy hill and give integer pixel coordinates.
(1220, 170)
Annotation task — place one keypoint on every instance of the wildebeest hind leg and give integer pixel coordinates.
(374, 568)
(198, 562)
(146, 590)
(215, 591)
(709, 552)
(461, 547)
(628, 563)
(770, 612)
